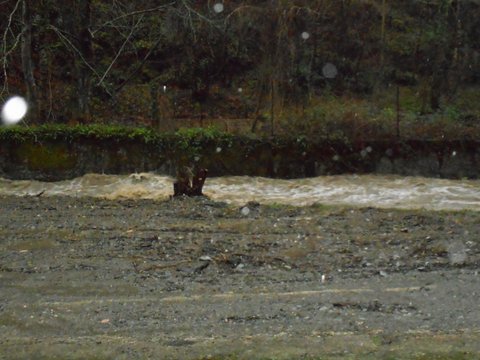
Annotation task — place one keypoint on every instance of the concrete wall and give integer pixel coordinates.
(55, 160)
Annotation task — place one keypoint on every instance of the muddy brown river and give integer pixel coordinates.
(350, 190)
(361, 267)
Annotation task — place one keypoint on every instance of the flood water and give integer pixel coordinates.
(352, 190)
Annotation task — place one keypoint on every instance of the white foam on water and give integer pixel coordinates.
(351, 190)
(348, 190)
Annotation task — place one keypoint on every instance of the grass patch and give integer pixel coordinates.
(374, 117)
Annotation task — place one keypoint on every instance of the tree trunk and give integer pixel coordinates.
(154, 105)
(272, 107)
(398, 111)
(189, 183)
(436, 91)
(382, 39)
(82, 15)
(455, 74)
(27, 60)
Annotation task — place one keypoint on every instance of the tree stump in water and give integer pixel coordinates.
(188, 183)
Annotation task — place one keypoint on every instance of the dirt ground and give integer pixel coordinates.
(196, 279)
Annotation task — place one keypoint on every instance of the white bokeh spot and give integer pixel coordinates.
(14, 110)
(218, 8)
(329, 71)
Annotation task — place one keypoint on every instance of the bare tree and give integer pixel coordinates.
(5, 46)
(27, 61)
(78, 19)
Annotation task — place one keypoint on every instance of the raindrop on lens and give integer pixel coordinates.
(245, 211)
(218, 8)
(14, 110)
(305, 35)
(329, 71)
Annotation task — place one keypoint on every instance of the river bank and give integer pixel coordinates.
(55, 152)
(194, 278)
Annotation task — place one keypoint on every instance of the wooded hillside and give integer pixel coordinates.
(275, 63)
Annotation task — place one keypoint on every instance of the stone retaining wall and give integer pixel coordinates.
(55, 160)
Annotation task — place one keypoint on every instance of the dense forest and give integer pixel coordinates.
(269, 66)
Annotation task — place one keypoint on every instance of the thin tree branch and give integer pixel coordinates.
(240, 9)
(196, 12)
(142, 63)
(120, 51)
(133, 13)
(200, 16)
(5, 53)
(68, 43)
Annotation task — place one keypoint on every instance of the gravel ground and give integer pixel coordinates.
(196, 279)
